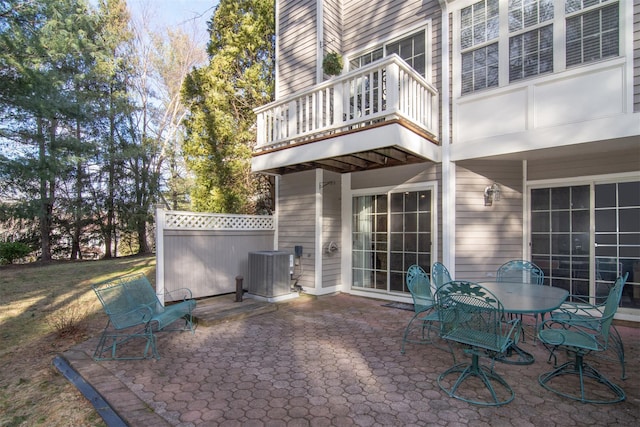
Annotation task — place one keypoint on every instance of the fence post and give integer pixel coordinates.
(160, 225)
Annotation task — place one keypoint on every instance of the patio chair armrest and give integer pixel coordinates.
(580, 324)
(179, 294)
(581, 307)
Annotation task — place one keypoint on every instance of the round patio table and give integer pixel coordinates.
(523, 298)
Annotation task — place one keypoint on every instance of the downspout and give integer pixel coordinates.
(276, 60)
(448, 170)
(320, 39)
(526, 247)
(318, 231)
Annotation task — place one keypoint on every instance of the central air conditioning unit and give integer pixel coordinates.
(269, 273)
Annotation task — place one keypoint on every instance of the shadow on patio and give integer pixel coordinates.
(330, 360)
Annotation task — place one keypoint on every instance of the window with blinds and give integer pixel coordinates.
(588, 29)
(592, 32)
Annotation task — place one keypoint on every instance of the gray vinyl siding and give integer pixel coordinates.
(583, 165)
(370, 22)
(636, 55)
(331, 229)
(487, 236)
(297, 45)
(332, 26)
(296, 220)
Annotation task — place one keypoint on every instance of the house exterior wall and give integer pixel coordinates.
(296, 211)
(296, 45)
(636, 55)
(575, 122)
(487, 236)
(331, 230)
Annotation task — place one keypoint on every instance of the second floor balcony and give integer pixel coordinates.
(387, 91)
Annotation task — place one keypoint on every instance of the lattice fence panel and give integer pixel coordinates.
(199, 221)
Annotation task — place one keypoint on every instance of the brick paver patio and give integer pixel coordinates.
(329, 361)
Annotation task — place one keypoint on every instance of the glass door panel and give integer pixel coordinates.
(585, 236)
(617, 239)
(387, 241)
(559, 244)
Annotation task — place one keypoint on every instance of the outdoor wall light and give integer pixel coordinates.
(491, 194)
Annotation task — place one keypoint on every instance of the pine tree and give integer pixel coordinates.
(46, 53)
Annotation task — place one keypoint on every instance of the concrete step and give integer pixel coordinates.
(224, 308)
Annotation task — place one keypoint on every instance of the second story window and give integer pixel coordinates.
(412, 49)
(530, 38)
(479, 30)
(365, 59)
(530, 31)
(592, 32)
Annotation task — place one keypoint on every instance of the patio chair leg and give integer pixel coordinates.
(581, 369)
(486, 375)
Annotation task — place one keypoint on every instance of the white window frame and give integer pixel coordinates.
(419, 186)
(426, 27)
(624, 313)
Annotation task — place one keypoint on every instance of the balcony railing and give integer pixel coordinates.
(384, 90)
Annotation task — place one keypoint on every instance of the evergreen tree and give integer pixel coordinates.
(46, 53)
(221, 97)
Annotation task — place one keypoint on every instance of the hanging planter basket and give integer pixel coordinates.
(332, 64)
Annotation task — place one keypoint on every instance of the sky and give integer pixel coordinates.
(175, 13)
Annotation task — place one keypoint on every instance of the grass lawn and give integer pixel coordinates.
(36, 302)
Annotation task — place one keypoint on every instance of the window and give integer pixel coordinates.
(560, 236)
(592, 35)
(412, 49)
(531, 51)
(588, 29)
(365, 59)
(479, 24)
(480, 68)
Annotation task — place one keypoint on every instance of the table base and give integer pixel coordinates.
(516, 356)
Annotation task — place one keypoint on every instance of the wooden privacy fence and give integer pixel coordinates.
(206, 252)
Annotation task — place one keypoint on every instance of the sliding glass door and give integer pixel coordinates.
(390, 232)
(584, 236)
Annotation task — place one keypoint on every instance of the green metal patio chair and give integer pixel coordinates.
(439, 274)
(423, 305)
(473, 316)
(581, 337)
(579, 307)
(522, 271)
(134, 311)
